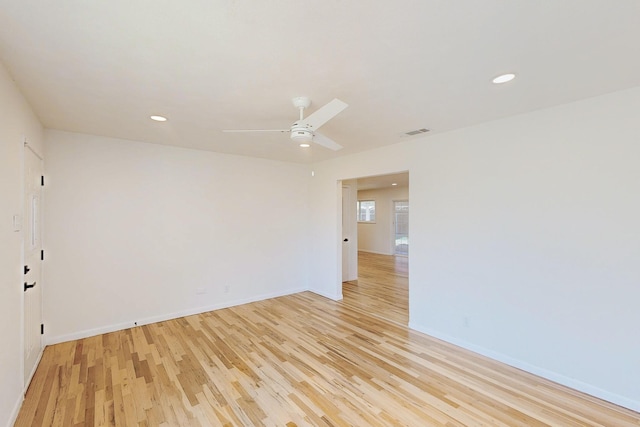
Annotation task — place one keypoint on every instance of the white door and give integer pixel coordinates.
(32, 315)
(346, 233)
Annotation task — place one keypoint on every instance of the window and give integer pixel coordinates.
(401, 225)
(366, 211)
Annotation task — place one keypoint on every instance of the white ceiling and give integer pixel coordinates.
(102, 67)
(384, 181)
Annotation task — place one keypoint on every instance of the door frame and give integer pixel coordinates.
(28, 377)
(353, 181)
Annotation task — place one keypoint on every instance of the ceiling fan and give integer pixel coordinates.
(304, 130)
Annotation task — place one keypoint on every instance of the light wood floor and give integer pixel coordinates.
(382, 288)
(293, 361)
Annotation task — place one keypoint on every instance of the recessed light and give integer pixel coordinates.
(395, 183)
(158, 118)
(503, 78)
(305, 145)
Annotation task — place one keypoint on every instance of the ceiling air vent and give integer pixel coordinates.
(416, 132)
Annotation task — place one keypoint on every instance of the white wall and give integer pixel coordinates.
(17, 122)
(528, 227)
(378, 237)
(135, 229)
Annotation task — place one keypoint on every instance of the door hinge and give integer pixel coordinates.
(42, 255)
(42, 180)
(41, 328)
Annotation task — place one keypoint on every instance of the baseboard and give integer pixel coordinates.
(16, 409)
(33, 371)
(334, 297)
(589, 389)
(161, 318)
(375, 252)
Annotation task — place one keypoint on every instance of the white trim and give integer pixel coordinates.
(35, 368)
(22, 262)
(578, 385)
(161, 318)
(334, 297)
(16, 410)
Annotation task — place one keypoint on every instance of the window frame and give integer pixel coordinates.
(364, 221)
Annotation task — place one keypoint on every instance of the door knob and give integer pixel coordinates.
(27, 286)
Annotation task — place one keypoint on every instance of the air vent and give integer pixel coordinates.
(416, 132)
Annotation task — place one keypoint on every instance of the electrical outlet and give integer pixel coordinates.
(201, 291)
(467, 321)
(226, 288)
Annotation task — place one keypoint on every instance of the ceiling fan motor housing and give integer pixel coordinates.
(301, 134)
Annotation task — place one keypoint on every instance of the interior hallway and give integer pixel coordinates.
(382, 288)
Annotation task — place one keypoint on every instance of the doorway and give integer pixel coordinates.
(381, 234)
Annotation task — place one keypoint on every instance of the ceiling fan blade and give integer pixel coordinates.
(326, 142)
(324, 114)
(254, 130)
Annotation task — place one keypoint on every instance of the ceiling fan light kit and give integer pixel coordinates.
(301, 134)
(304, 130)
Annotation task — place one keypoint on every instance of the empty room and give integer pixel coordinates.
(173, 213)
